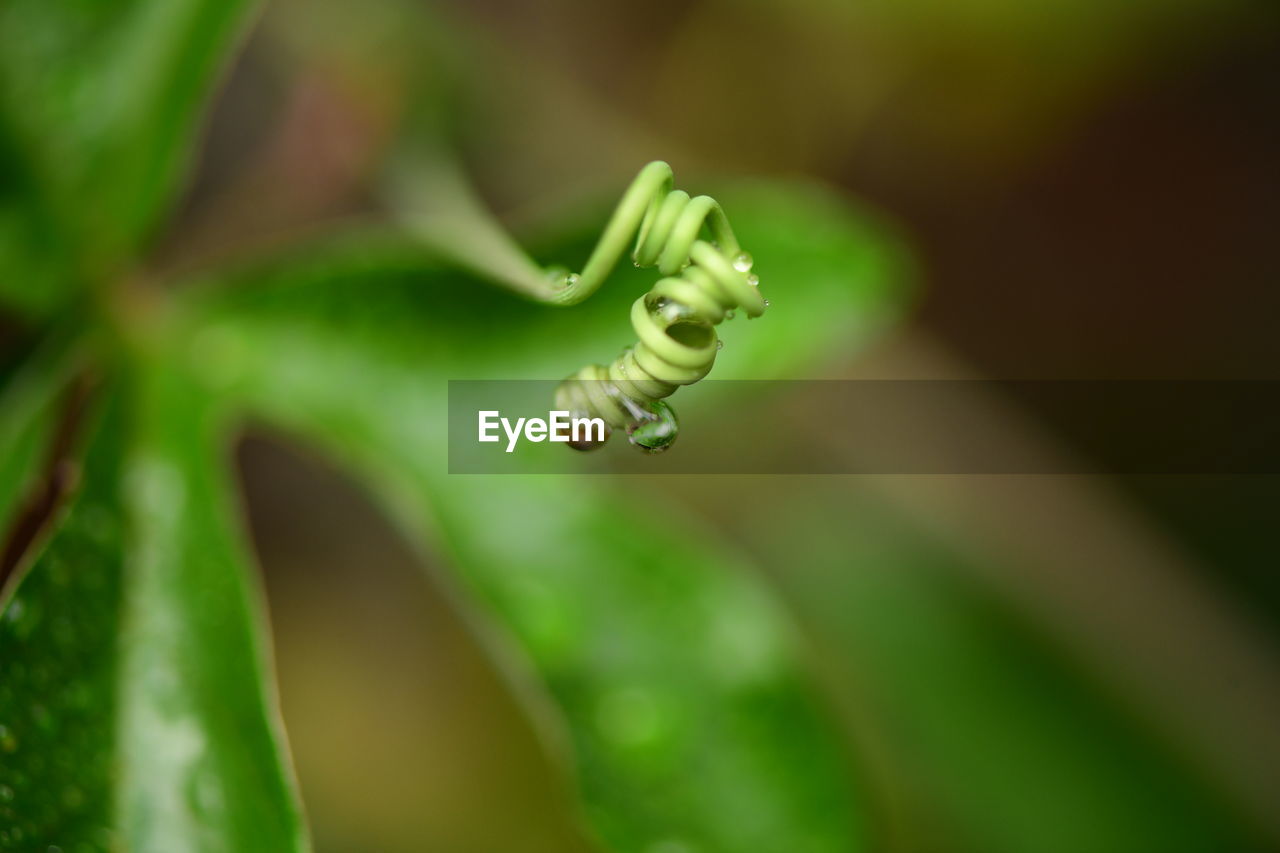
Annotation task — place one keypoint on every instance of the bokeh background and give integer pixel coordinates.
(1089, 190)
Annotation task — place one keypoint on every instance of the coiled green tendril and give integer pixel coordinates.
(704, 282)
(706, 277)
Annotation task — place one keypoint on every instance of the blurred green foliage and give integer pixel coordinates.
(100, 103)
(974, 703)
(661, 661)
(666, 659)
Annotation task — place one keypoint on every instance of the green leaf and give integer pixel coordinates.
(99, 104)
(57, 656)
(132, 680)
(686, 698)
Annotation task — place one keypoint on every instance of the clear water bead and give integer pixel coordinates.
(719, 344)
(753, 280)
(673, 311)
(743, 262)
(571, 279)
(729, 315)
(766, 303)
(656, 429)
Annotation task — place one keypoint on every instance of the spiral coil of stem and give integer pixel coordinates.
(706, 277)
(704, 282)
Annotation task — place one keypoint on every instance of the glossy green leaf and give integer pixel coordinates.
(99, 104)
(676, 674)
(57, 663)
(686, 698)
(132, 683)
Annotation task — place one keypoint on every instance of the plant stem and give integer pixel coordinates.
(435, 202)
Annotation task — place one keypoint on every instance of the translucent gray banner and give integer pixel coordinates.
(893, 427)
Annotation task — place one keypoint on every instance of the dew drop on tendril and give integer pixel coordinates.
(655, 432)
(675, 321)
(719, 344)
(571, 279)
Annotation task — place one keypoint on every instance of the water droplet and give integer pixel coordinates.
(753, 280)
(668, 310)
(719, 344)
(743, 262)
(656, 430)
(571, 279)
(729, 315)
(766, 303)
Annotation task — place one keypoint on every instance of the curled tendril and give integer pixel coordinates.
(704, 282)
(706, 277)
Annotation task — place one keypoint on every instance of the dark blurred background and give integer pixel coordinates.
(1091, 191)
